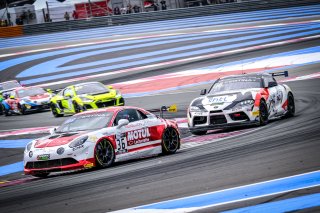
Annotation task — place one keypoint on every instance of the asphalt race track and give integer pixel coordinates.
(283, 148)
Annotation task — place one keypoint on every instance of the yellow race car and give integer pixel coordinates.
(84, 96)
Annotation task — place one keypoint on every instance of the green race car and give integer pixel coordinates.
(84, 96)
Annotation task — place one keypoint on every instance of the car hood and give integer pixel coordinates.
(102, 96)
(57, 139)
(221, 100)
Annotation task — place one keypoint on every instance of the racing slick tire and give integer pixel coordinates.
(54, 111)
(203, 132)
(291, 106)
(104, 154)
(77, 107)
(22, 109)
(41, 174)
(170, 141)
(2, 109)
(264, 114)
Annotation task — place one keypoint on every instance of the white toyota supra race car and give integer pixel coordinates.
(240, 100)
(99, 138)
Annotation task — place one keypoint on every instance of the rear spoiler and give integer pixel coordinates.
(284, 73)
(172, 108)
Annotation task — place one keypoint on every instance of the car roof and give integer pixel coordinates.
(91, 82)
(254, 75)
(114, 109)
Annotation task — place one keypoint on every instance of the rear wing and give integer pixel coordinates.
(173, 108)
(284, 73)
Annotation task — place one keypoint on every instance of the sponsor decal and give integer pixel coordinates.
(77, 147)
(220, 99)
(43, 157)
(138, 136)
(88, 165)
(256, 113)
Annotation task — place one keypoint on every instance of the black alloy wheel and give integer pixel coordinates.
(264, 114)
(104, 153)
(291, 106)
(170, 141)
(22, 109)
(77, 107)
(55, 112)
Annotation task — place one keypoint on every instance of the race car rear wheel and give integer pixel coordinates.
(291, 106)
(170, 141)
(264, 114)
(55, 112)
(41, 174)
(104, 153)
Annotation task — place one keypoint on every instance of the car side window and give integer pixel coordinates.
(141, 115)
(130, 114)
(68, 91)
(272, 82)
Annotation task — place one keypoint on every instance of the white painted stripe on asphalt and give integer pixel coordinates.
(291, 187)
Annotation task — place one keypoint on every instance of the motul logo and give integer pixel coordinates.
(138, 134)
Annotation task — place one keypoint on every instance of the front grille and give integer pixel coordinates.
(216, 111)
(199, 120)
(88, 106)
(106, 103)
(218, 119)
(50, 163)
(239, 116)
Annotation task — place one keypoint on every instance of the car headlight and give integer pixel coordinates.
(29, 146)
(78, 141)
(243, 103)
(84, 99)
(198, 108)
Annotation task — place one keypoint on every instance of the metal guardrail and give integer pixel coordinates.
(162, 15)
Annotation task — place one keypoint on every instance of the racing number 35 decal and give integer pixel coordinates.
(121, 140)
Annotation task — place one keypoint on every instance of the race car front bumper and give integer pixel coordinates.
(220, 119)
(53, 159)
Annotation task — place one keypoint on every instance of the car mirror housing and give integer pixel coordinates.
(122, 122)
(203, 92)
(52, 131)
(68, 95)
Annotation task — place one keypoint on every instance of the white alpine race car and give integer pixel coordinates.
(240, 100)
(99, 138)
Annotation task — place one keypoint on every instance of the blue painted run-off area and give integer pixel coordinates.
(15, 167)
(242, 193)
(11, 168)
(288, 205)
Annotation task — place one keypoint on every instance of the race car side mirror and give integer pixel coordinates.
(52, 131)
(122, 122)
(203, 92)
(68, 95)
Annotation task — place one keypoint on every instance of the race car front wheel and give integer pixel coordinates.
(264, 114)
(55, 112)
(104, 153)
(170, 141)
(22, 109)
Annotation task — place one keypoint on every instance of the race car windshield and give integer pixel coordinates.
(9, 85)
(235, 84)
(30, 92)
(91, 88)
(91, 121)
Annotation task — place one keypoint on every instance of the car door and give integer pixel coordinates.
(66, 101)
(132, 137)
(275, 97)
